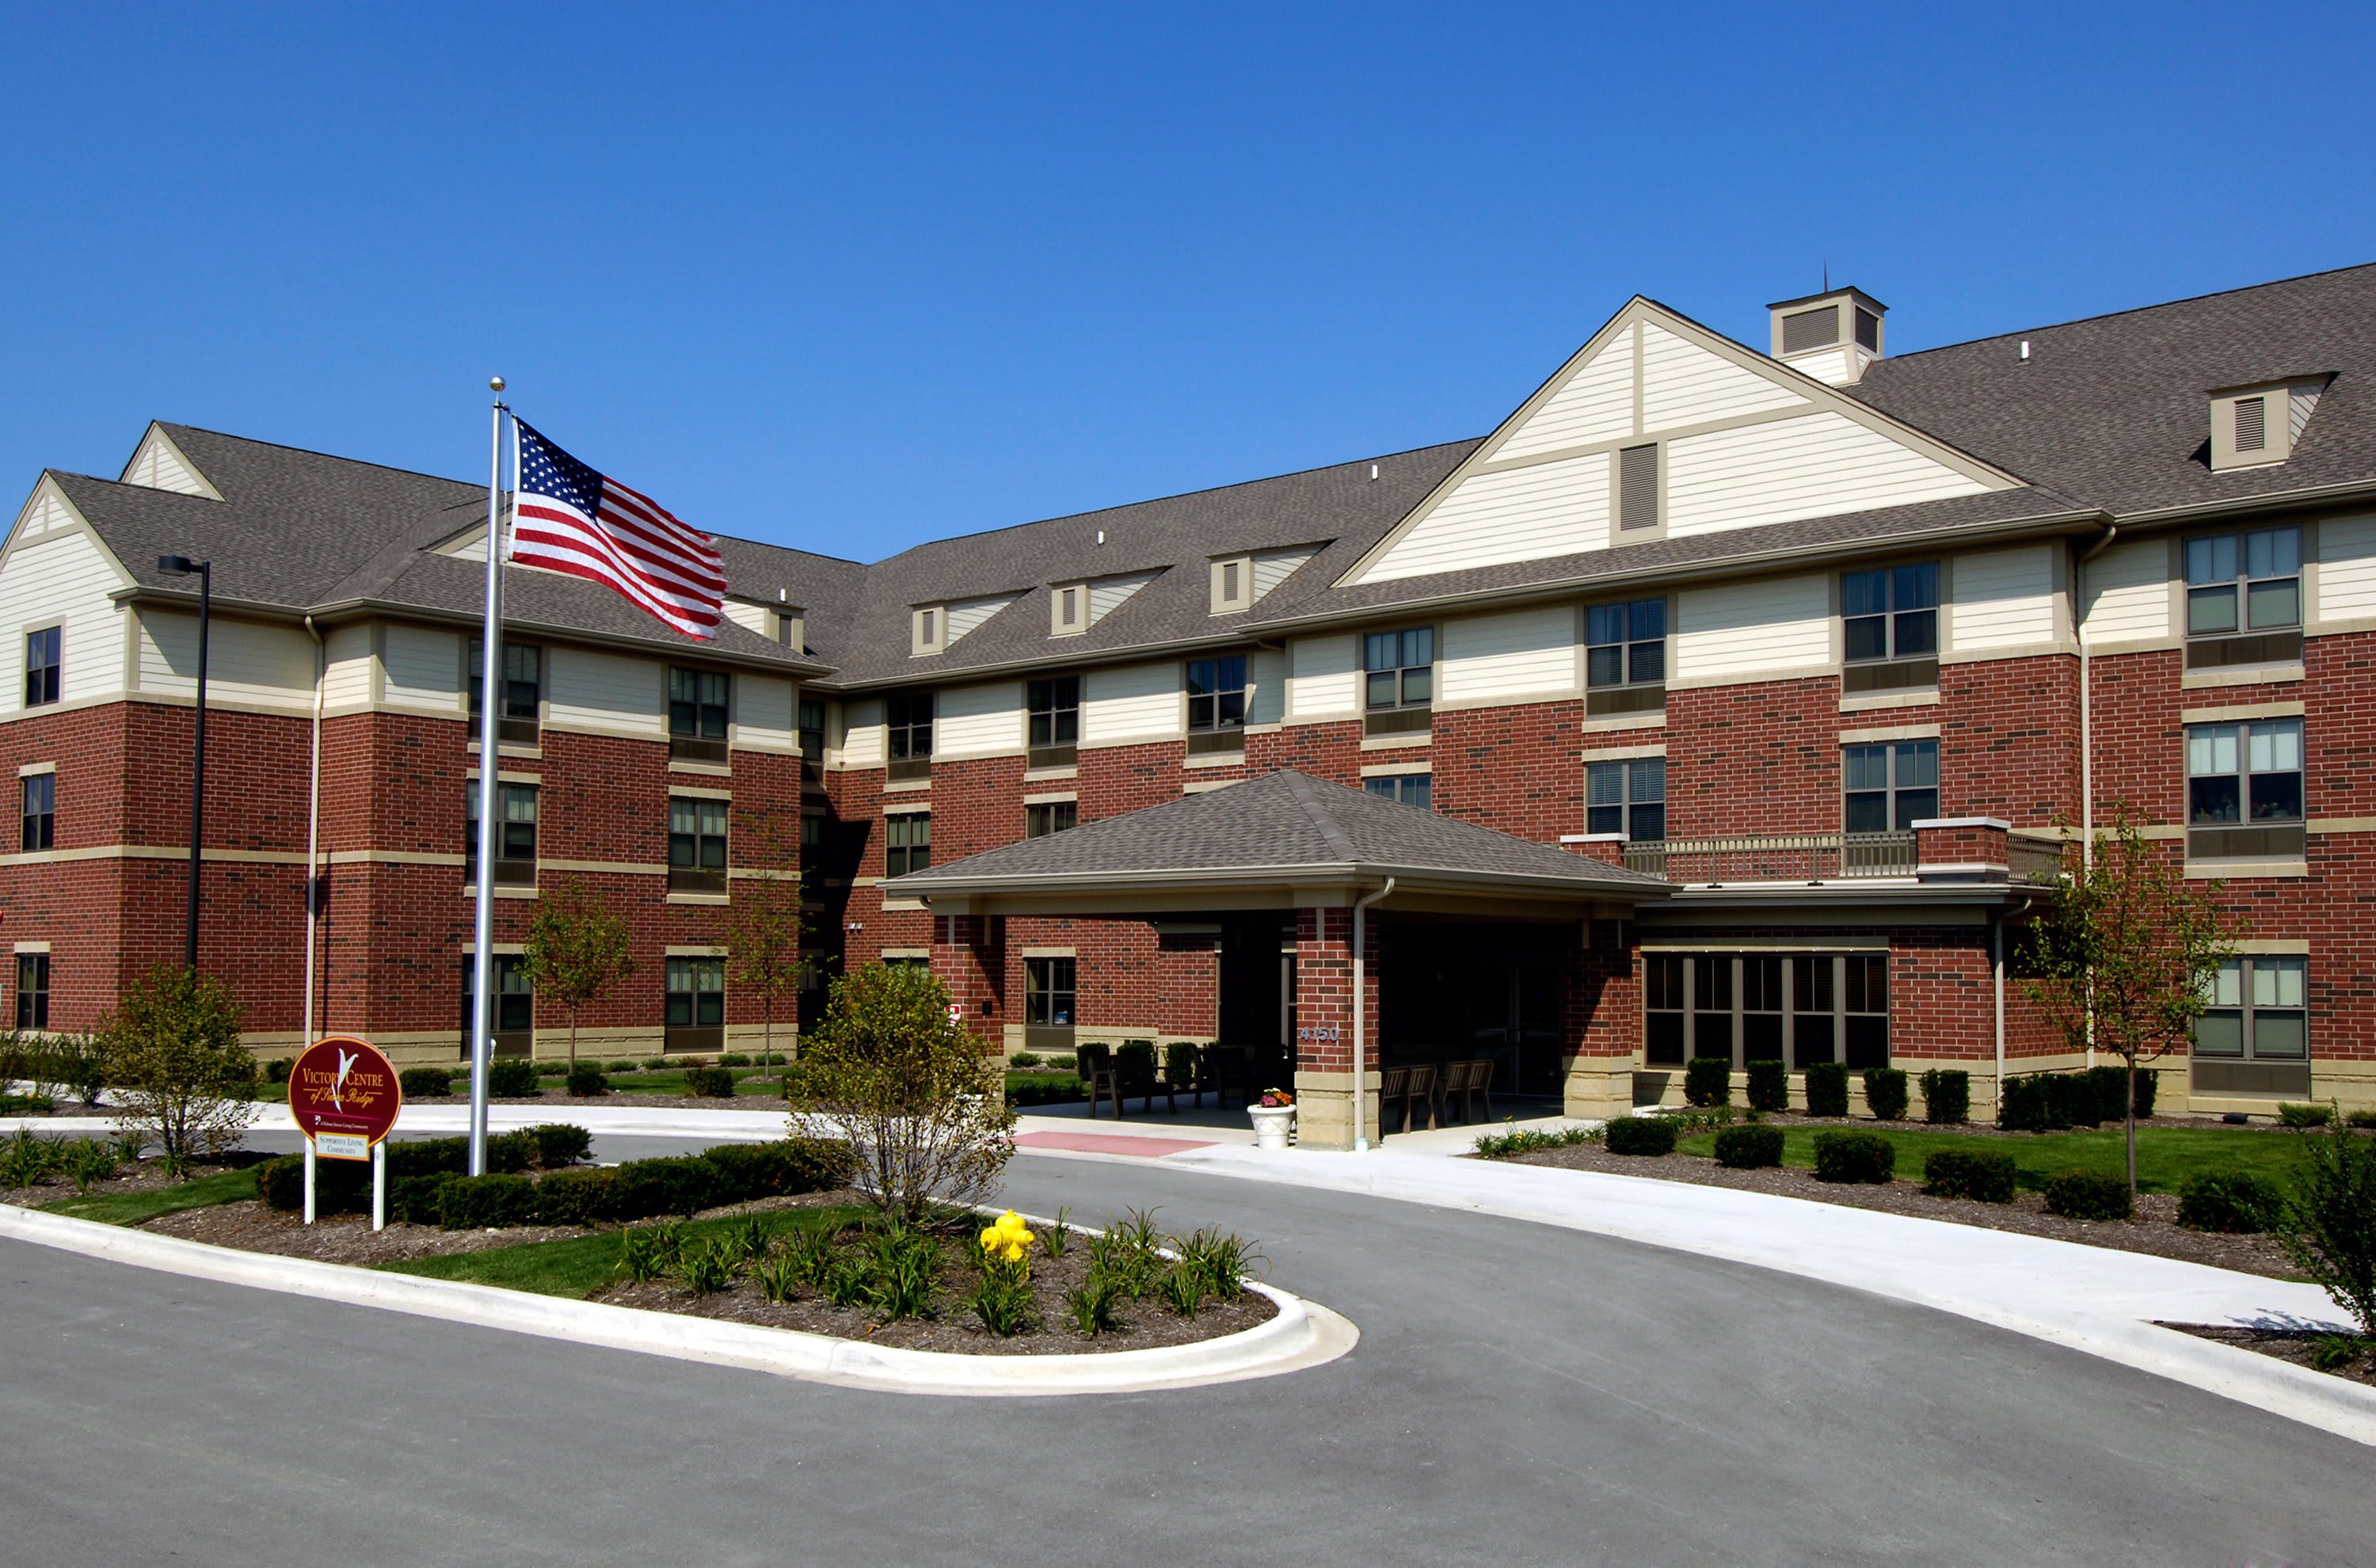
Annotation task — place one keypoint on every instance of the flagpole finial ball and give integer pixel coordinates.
(494, 384)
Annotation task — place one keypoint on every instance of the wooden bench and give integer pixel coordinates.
(1411, 1088)
(1468, 1079)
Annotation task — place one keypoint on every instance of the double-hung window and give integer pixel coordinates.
(2253, 1034)
(812, 722)
(1891, 786)
(696, 844)
(33, 990)
(698, 715)
(1625, 656)
(41, 667)
(1397, 679)
(1799, 1008)
(908, 735)
(515, 835)
(2243, 598)
(522, 686)
(907, 842)
(1889, 628)
(512, 1017)
(1052, 711)
(1406, 789)
(40, 830)
(1627, 797)
(2244, 789)
(1048, 1002)
(695, 1009)
(1217, 705)
(1042, 817)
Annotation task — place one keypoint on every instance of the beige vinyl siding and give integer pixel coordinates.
(2004, 597)
(1746, 630)
(246, 662)
(60, 578)
(1113, 593)
(159, 465)
(1683, 383)
(756, 617)
(2346, 568)
(423, 667)
(1323, 676)
(2128, 594)
(1522, 514)
(2301, 400)
(1830, 367)
(862, 734)
(1276, 567)
(1786, 469)
(983, 720)
(605, 692)
(1266, 686)
(345, 675)
(1597, 404)
(1138, 702)
(763, 714)
(1517, 654)
(967, 613)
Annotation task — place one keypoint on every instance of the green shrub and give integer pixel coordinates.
(1828, 1089)
(428, 1157)
(589, 1082)
(1091, 1305)
(26, 1158)
(2327, 1222)
(649, 1251)
(1885, 1093)
(734, 1059)
(1854, 1157)
(475, 1203)
(509, 1153)
(1002, 1298)
(621, 1067)
(2232, 1203)
(1748, 1147)
(2148, 1083)
(1023, 1059)
(277, 1071)
(1063, 1065)
(416, 1200)
(181, 1076)
(90, 1160)
(1769, 1085)
(2301, 1118)
(1533, 1140)
(2030, 1104)
(1982, 1175)
(680, 1184)
(904, 1272)
(552, 1069)
(1946, 1096)
(340, 1186)
(1707, 1080)
(512, 1077)
(2364, 1119)
(710, 1083)
(424, 1083)
(704, 1266)
(579, 1196)
(2088, 1195)
(2075, 1101)
(560, 1144)
(657, 1065)
(1639, 1134)
(1217, 1260)
(2107, 1091)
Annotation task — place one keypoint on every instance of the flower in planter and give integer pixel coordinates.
(1007, 1239)
(1275, 1099)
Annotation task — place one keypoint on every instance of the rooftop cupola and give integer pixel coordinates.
(1830, 336)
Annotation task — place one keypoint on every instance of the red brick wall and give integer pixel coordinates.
(1512, 768)
(1751, 759)
(2008, 738)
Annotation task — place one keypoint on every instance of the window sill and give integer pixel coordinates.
(1623, 721)
(1394, 742)
(713, 770)
(1866, 702)
(2240, 675)
(1215, 759)
(711, 899)
(2230, 870)
(471, 891)
(511, 749)
(907, 785)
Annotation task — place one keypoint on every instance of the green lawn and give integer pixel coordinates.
(2166, 1155)
(581, 1264)
(132, 1208)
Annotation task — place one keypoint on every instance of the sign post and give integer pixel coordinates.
(343, 1096)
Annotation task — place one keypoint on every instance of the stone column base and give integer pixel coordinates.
(1324, 1109)
(1599, 1087)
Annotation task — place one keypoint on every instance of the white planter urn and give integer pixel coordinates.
(1272, 1125)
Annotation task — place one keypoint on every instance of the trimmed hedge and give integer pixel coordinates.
(1639, 1134)
(1854, 1157)
(424, 1083)
(1828, 1089)
(1749, 1145)
(1885, 1093)
(2044, 1102)
(709, 1083)
(1977, 1174)
(414, 1200)
(582, 1196)
(477, 1202)
(1946, 1096)
(512, 1077)
(1707, 1081)
(1769, 1085)
(587, 1080)
(2086, 1194)
(2233, 1202)
(552, 1069)
(2300, 1117)
(560, 1144)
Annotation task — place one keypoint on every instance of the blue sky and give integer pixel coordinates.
(850, 278)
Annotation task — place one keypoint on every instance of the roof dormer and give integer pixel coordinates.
(1830, 336)
(2259, 423)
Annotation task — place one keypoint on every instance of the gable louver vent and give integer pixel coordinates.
(1637, 487)
(2252, 424)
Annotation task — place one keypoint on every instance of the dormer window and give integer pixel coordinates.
(1068, 611)
(928, 629)
(2255, 425)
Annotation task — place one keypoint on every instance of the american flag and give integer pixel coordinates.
(569, 518)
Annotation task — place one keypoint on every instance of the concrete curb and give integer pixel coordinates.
(1303, 1334)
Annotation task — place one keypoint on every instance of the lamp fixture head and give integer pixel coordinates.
(180, 565)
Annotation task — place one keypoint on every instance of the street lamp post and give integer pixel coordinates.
(181, 566)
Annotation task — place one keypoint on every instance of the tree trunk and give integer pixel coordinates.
(573, 1039)
(2131, 1110)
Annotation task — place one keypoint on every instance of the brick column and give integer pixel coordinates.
(1961, 848)
(1604, 1019)
(970, 960)
(1324, 1028)
(1607, 848)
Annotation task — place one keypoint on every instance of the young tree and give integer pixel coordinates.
(2126, 953)
(2326, 1220)
(183, 1080)
(764, 926)
(576, 949)
(922, 1105)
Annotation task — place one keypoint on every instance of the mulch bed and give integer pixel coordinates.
(147, 1175)
(2286, 1345)
(1142, 1324)
(2155, 1229)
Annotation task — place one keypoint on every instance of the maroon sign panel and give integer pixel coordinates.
(343, 1095)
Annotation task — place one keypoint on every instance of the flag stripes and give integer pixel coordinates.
(568, 518)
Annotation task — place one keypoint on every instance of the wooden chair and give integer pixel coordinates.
(1181, 1075)
(1222, 1069)
(1468, 1079)
(1134, 1074)
(1394, 1089)
(1418, 1096)
(1097, 1068)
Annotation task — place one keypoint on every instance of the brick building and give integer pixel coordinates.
(1798, 657)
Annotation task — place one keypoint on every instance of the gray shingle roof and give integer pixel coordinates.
(1282, 827)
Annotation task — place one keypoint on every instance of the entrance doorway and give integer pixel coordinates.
(1482, 989)
(1514, 1021)
(1257, 1004)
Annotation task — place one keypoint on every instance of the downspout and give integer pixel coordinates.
(1361, 1015)
(313, 825)
(2087, 725)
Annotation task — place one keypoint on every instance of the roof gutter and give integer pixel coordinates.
(2206, 511)
(1361, 1019)
(923, 884)
(2086, 695)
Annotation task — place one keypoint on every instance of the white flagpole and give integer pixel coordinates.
(482, 923)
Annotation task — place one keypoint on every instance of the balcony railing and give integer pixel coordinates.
(2033, 860)
(1775, 857)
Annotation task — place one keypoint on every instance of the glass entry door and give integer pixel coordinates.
(1513, 1021)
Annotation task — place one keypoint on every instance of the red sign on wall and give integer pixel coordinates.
(343, 1096)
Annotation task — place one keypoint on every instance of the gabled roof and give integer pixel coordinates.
(1283, 827)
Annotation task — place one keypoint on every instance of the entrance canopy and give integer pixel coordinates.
(1283, 840)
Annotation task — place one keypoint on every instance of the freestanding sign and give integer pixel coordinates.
(343, 1096)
